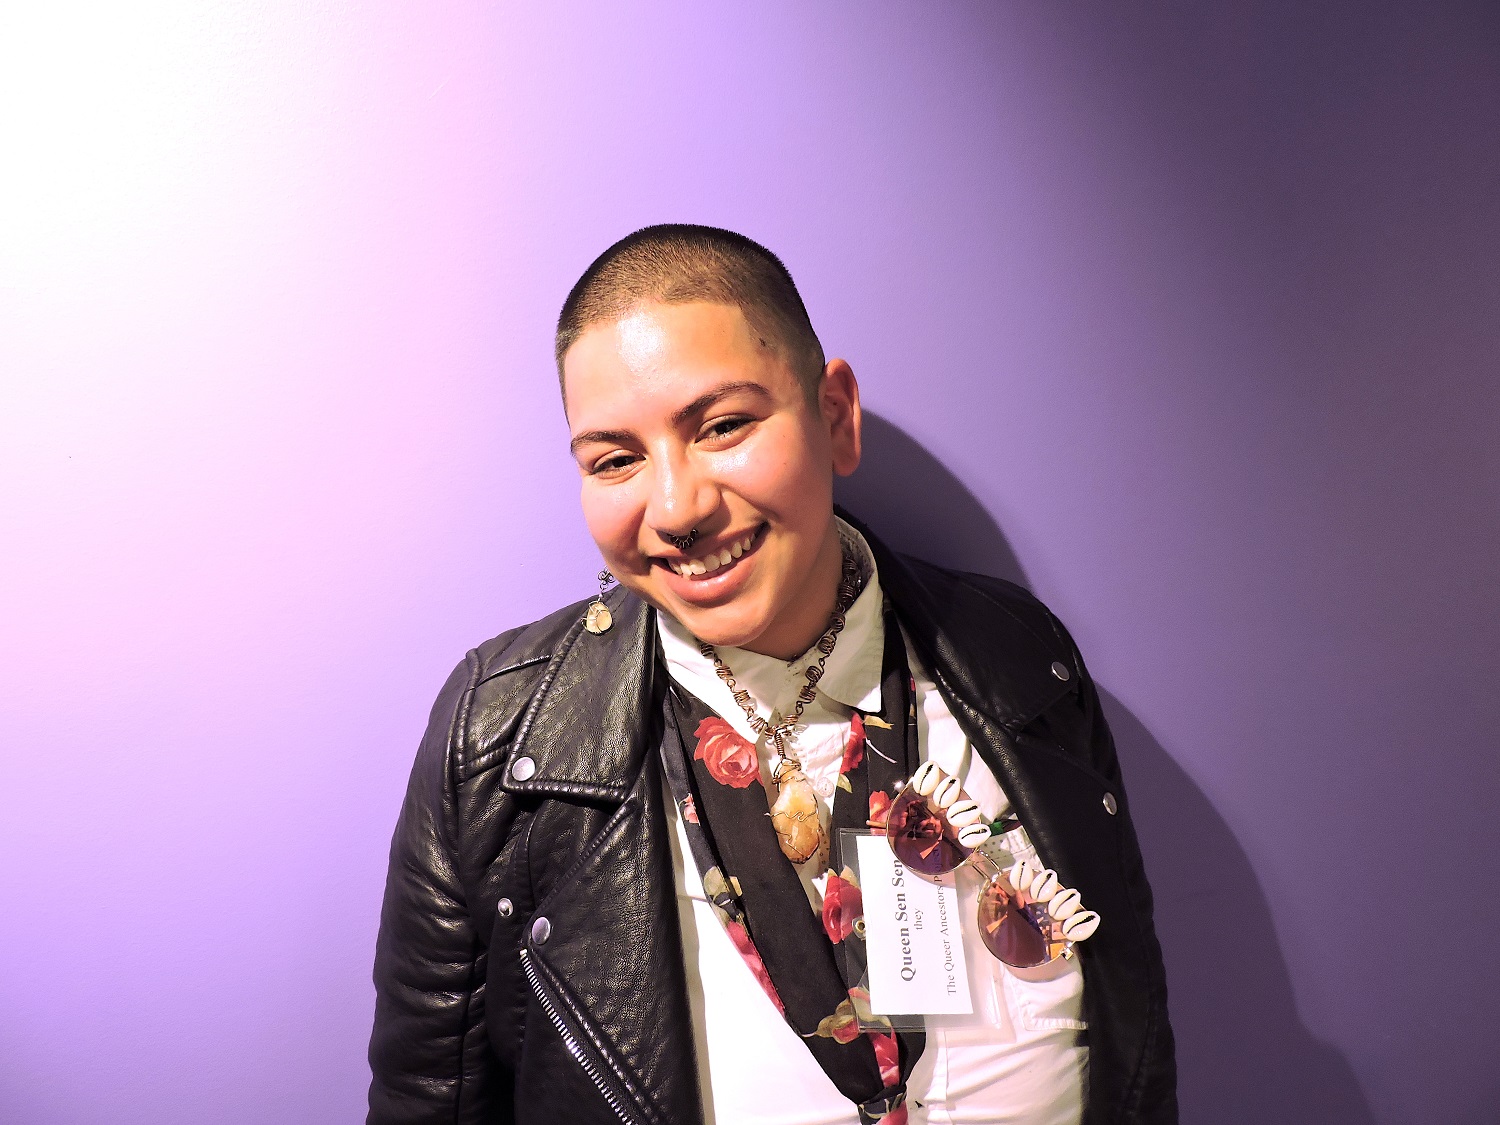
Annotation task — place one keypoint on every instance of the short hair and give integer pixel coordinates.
(675, 263)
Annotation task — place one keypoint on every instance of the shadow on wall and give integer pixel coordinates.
(1244, 1056)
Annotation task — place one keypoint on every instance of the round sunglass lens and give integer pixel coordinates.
(1015, 929)
(921, 837)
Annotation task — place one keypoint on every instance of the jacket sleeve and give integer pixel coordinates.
(429, 1057)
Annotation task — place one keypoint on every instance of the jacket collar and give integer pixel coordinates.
(587, 727)
(594, 711)
(988, 643)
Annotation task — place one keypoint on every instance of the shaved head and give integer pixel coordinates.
(676, 263)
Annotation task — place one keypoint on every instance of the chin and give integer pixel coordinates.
(724, 627)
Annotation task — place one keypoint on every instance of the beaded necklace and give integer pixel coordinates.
(794, 814)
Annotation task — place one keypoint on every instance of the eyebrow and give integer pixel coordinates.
(697, 406)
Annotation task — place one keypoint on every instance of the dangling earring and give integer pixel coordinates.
(598, 619)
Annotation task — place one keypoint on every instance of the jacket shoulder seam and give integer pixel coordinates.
(981, 588)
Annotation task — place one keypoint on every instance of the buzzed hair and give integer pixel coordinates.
(675, 263)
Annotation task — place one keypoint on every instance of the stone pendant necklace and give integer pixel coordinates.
(794, 813)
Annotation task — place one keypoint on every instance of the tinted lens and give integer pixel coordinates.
(1014, 928)
(921, 836)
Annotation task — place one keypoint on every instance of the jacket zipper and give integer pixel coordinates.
(575, 1048)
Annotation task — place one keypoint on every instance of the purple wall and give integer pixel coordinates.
(1189, 319)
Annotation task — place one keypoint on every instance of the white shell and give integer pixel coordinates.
(973, 835)
(947, 792)
(1045, 885)
(964, 812)
(1080, 926)
(1064, 904)
(926, 779)
(1021, 874)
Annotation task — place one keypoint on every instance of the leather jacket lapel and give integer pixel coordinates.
(603, 952)
(583, 731)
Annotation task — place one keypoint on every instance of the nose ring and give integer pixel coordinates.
(682, 542)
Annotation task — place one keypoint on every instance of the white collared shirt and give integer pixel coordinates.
(1019, 1058)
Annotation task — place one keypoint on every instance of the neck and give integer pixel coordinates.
(804, 621)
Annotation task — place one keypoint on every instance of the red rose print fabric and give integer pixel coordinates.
(880, 809)
(730, 759)
(854, 749)
(888, 1055)
(843, 905)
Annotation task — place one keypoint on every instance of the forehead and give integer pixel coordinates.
(659, 356)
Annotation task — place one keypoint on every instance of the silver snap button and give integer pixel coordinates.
(1111, 806)
(524, 769)
(541, 930)
(1060, 670)
(506, 907)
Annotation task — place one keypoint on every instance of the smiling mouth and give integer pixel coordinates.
(713, 561)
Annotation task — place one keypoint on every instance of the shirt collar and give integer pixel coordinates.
(851, 677)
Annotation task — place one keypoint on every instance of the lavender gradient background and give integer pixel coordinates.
(1189, 316)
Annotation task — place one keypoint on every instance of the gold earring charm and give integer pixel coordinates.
(598, 619)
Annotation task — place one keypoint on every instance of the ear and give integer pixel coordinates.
(838, 402)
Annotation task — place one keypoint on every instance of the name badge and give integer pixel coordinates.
(913, 939)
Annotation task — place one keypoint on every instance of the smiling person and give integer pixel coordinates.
(630, 878)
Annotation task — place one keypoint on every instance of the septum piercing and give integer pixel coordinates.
(681, 542)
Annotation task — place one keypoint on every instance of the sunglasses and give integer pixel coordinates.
(1026, 917)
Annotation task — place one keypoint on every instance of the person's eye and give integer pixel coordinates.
(613, 465)
(721, 428)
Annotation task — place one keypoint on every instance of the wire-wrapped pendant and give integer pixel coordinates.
(794, 815)
(598, 619)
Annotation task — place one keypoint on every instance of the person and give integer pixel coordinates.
(623, 886)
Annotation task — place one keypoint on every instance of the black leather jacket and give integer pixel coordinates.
(529, 967)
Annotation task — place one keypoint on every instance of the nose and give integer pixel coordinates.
(682, 498)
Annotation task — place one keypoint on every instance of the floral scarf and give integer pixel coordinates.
(810, 966)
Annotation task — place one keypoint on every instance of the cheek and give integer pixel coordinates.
(612, 517)
(776, 477)
(793, 486)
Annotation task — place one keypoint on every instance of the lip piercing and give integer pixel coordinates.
(682, 542)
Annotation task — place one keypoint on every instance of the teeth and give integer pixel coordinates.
(710, 563)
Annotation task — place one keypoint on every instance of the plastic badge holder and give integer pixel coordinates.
(959, 982)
